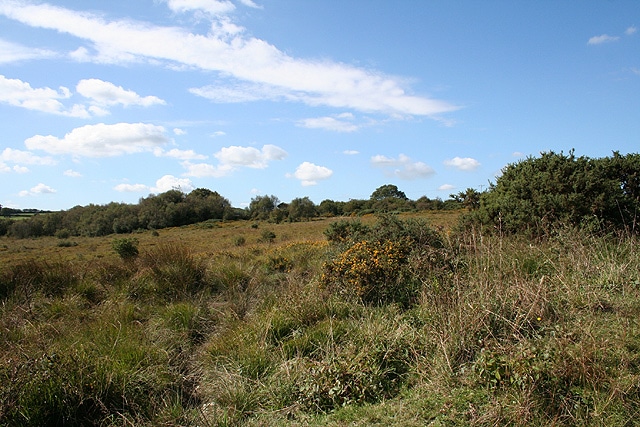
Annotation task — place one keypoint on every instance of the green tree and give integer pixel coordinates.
(388, 191)
(470, 198)
(302, 209)
(388, 198)
(262, 206)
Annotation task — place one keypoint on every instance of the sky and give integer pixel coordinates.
(111, 101)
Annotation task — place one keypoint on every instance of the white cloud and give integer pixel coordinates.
(250, 3)
(179, 154)
(214, 7)
(11, 52)
(446, 187)
(631, 30)
(463, 164)
(403, 167)
(309, 174)
(233, 157)
(604, 38)
(131, 188)
(350, 152)
(249, 156)
(104, 93)
(20, 169)
(102, 140)
(38, 189)
(201, 170)
(252, 68)
(218, 133)
(72, 174)
(17, 93)
(24, 157)
(179, 132)
(170, 182)
(340, 123)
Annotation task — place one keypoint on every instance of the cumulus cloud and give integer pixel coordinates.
(12, 52)
(25, 157)
(38, 189)
(233, 157)
(170, 182)
(403, 167)
(630, 30)
(17, 93)
(131, 188)
(166, 183)
(604, 38)
(309, 174)
(250, 156)
(446, 187)
(102, 140)
(339, 123)
(108, 94)
(463, 164)
(252, 68)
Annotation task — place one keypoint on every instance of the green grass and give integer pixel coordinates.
(198, 330)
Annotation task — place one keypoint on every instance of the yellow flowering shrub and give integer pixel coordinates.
(371, 271)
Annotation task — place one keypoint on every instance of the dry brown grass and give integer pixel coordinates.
(200, 239)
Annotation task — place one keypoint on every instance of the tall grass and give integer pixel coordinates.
(497, 331)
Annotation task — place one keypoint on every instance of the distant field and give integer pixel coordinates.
(204, 238)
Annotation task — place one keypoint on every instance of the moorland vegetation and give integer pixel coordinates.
(521, 308)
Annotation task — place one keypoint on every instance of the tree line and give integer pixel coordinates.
(175, 208)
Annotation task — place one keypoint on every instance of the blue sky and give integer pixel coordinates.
(113, 100)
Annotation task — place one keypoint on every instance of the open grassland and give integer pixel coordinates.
(204, 238)
(389, 322)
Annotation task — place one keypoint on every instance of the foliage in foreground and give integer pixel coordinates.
(499, 331)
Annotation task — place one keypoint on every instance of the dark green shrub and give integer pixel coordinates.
(345, 231)
(537, 195)
(267, 236)
(126, 247)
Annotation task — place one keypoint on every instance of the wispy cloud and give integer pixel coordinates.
(12, 52)
(338, 123)
(604, 38)
(402, 167)
(72, 174)
(253, 68)
(630, 30)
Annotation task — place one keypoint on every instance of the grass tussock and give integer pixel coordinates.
(391, 322)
